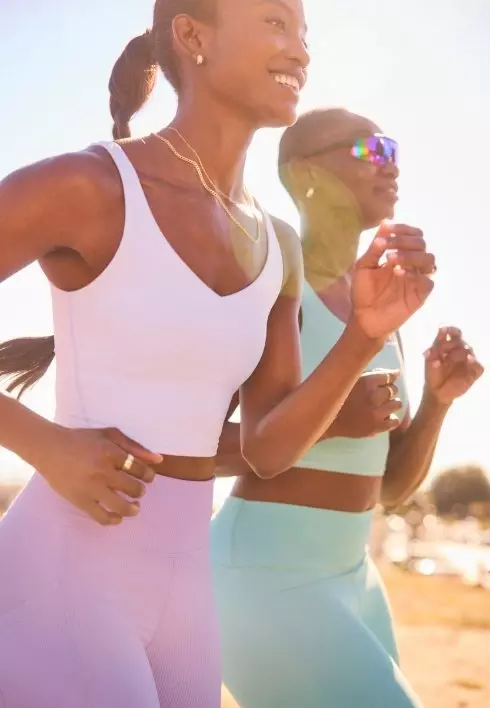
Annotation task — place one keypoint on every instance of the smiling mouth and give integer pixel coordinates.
(288, 81)
(390, 193)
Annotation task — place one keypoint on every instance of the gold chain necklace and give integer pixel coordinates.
(211, 190)
(250, 202)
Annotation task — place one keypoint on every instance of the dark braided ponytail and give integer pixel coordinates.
(134, 75)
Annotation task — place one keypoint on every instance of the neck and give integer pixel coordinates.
(221, 140)
(330, 241)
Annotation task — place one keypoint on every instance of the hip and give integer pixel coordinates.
(272, 535)
(174, 517)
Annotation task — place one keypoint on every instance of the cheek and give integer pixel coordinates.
(227, 68)
(359, 185)
(237, 61)
(365, 181)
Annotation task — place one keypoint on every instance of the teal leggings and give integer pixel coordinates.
(304, 616)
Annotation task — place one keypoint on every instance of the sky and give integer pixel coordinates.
(420, 70)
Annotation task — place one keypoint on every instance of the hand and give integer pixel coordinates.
(86, 468)
(385, 295)
(450, 366)
(370, 408)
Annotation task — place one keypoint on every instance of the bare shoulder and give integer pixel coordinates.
(59, 202)
(292, 256)
(88, 172)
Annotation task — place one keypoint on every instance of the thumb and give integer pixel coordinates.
(373, 254)
(392, 423)
(132, 447)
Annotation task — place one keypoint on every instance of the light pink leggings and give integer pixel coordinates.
(118, 617)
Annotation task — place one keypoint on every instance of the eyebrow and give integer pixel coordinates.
(284, 5)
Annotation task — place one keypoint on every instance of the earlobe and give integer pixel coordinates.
(187, 38)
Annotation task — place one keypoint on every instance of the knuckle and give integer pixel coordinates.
(106, 451)
(98, 478)
(148, 474)
(136, 472)
(124, 509)
(138, 490)
(114, 436)
(118, 504)
(101, 476)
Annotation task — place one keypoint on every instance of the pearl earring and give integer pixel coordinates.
(199, 59)
(310, 192)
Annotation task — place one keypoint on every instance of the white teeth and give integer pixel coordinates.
(287, 80)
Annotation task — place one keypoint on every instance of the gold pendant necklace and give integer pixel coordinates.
(249, 199)
(213, 190)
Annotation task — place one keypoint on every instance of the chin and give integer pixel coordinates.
(278, 116)
(373, 220)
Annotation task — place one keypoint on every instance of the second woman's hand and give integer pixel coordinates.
(451, 367)
(386, 294)
(86, 468)
(371, 407)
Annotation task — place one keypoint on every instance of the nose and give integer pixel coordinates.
(390, 170)
(298, 51)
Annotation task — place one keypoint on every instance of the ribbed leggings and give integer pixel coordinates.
(304, 615)
(109, 617)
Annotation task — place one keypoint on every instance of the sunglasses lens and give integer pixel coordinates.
(377, 149)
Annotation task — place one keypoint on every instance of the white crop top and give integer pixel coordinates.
(148, 347)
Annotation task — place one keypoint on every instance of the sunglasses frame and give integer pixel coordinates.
(352, 144)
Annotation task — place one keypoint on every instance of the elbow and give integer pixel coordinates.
(391, 498)
(265, 472)
(390, 503)
(264, 464)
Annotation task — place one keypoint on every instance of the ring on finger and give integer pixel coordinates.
(128, 463)
(392, 391)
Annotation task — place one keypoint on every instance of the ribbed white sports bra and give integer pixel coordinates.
(148, 348)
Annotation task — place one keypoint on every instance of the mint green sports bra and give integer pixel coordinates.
(320, 331)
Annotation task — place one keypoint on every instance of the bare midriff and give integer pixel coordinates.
(314, 488)
(197, 469)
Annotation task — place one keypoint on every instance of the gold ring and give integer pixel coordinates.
(128, 463)
(392, 391)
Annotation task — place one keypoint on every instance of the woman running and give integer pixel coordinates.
(170, 291)
(305, 619)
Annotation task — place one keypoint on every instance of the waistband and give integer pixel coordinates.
(174, 518)
(247, 533)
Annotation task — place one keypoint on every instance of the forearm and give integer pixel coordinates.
(24, 432)
(229, 460)
(293, 426)
(412, 451)
(333, 431)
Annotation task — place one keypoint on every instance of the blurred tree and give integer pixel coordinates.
(456, 489)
